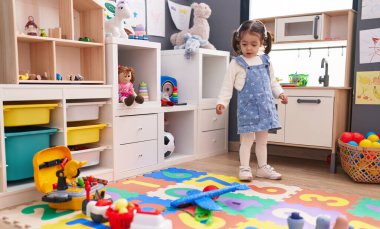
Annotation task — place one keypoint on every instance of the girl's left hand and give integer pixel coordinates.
(284, 98)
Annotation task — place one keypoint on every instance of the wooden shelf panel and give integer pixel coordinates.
(60, 82)
(58, 42)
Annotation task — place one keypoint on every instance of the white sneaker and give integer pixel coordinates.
(245, 173)
(268, 172)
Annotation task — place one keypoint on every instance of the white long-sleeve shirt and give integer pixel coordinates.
(235, 77)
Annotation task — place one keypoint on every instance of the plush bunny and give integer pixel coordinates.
(115, 27)
(192, 43)
(127, 94)
(200, 26)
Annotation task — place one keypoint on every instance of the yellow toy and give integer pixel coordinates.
(55, 175)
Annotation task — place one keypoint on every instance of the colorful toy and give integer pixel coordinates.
(169, 91)
(147, 220)
(295, 221)
(115, 27)
(204, 199)
(55, 173)
(76, 77)
(127, 94)
(346, 137)
(376, 144)
(357, 137)
(143, 91)
(31, 27)
(85, 39)
(169, 144)
(96, 208)
(121, 213)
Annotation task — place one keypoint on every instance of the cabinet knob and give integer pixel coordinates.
(214, 119)
(139, 129)
(213, 140)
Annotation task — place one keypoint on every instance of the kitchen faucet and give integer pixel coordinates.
(325, 78)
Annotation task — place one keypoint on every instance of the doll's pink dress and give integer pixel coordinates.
(125, 90)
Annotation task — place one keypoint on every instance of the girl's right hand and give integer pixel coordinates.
(219, 109)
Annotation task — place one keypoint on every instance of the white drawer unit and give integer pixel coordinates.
(136, 155)
(137, 128)
(309, 121)
(213, 141)
(211, 121)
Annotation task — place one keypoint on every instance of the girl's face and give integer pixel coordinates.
(250, 44)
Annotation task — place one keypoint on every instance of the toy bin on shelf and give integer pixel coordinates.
(83, 111)
(27, 114)
(362, 164)
(21, 143)
(77, 135)
(91, 155)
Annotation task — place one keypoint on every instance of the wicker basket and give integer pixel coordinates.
(362, 164)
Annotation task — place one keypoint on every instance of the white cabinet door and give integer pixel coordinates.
(278, 136)
(309, 121)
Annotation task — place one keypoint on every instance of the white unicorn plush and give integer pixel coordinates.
(115, 27)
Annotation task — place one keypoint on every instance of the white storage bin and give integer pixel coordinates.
(83, 111)
(92, 156)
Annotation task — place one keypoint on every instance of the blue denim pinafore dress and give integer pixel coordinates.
(256, 107)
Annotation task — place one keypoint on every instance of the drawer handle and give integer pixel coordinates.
(213, 140)
(317, 101)
(140, 129)
(140, 155)
(214, 119)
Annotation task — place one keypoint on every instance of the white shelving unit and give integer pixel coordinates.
(199, 81)
(16, 192)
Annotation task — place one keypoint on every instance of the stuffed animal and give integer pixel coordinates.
(115, 27)
(127, 94)
(192, 43)
(200, 26)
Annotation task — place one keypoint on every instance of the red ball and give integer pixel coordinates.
(346, 137)
(210, 188)
(357, 137)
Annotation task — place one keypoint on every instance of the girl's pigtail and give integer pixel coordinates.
(235, 42)
(268, 43)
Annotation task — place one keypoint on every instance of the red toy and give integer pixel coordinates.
(357, 137)
(346, 137)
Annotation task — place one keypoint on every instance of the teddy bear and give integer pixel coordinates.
(127, 95)
(200, 26)
(192, 42)
(116, 26)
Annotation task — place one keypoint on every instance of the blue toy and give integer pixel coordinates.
(204, 199)
(323, 222)
(192, 43)
(353, 143)
(169, 89)
(295, 221)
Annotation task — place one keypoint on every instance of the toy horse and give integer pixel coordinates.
(115, 27)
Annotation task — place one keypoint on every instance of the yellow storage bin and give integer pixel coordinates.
(27, 114)
(84, 134)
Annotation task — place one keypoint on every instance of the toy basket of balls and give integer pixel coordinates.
(360, 156)
(120, 214)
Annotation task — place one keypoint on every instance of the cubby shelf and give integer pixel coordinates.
(49, 56)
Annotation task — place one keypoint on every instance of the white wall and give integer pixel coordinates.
(272, 8)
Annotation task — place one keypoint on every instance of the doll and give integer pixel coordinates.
(127, 94)
(31, 28)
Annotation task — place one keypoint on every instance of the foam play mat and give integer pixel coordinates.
(263, 205)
